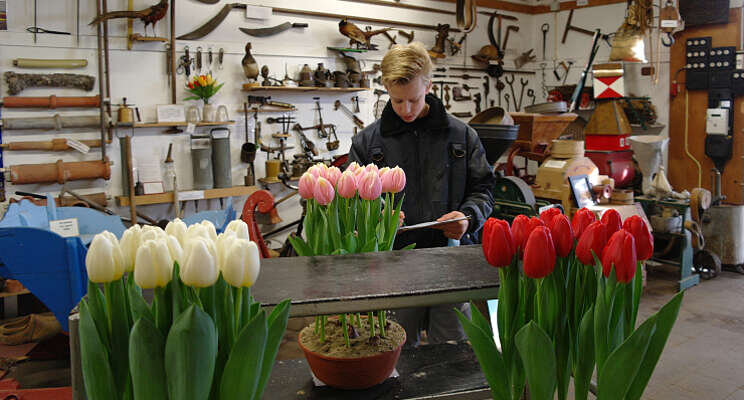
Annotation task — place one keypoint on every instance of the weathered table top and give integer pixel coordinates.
(443, 371)
(374, 281)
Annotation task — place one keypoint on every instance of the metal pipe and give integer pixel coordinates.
(102, 112)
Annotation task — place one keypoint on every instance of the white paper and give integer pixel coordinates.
(171, 113)
(79, 146)
(669, 23)
(191, 195)
(153, 187)
(257, 12)
(555, 164)
(190, 128)
(65, 227)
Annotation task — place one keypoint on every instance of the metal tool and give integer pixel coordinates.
(447, 104)
(458, 96)
(531, 94)
(506, 97)
(525, 58)
(390, 38)
(510, 28)
(266, 101)
(358, 122)
(322, 133)
(511, 87)
(168, 62)
(355, 103)
(499, 87)
(407, 35)
(492, 72)
(36, 29)
(576, 97)
(566, 69)
(463, 76)
(587, 32)
(431, 224)
(524, 83)
(486, 89)
(545, 28)
(434, 90)
(307, 145)
(477, 100)
(220, 57)
(198, 60)
(264, 32)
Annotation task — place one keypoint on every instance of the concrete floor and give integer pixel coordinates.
(704, 357)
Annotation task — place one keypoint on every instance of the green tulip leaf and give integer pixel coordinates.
(488, 356)
(584, 355)
(538, 357)
(94, 358)
(178, 292)
(300, 246)
(277, 323)
(479, 320)
(147, 361)
(243, 367)
(623, 363)
(665, 319)
(190, 352)
(119, 331)
(97, 309)
(137, 304)
(410, 247)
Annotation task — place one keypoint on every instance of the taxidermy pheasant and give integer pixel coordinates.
(358, 36)
(149, 15)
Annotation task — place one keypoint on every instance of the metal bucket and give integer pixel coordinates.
(724, 233)
(201, 160)
(221, 166)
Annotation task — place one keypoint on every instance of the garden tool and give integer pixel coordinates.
(266, 101)
(531, 94)
(587, 32)
(358, 122)
(307, 145)
(486, 88)
(458, 96)
(321, 127)
(355, 103)
(332, 145)
(511, 87)
(357, 36)
(199, 60)
(390, 38)
(510, 28)
(524, 58)
(545, 28)
(273, 30)
(477, 100)
(524, 83)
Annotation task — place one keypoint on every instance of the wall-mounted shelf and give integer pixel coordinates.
(247, 87)
(167, 197)
(168, 124)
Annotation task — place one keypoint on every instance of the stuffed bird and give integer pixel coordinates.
(358, 36)
(149, 15)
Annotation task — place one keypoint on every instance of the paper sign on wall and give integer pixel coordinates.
(65, 227)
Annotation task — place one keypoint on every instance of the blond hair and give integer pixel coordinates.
(403, 63)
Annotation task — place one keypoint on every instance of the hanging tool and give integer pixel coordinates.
(379, 104)
(50, 63)
(210, 58)
(447, 104)
(524, 58)
(668, 22)
(215, 21)
(587, 32)
(274, 30)
(307, 145)
(458, 96)
(463, 76)
(407, 35)
(198, 69)
(511, 87)
(220, 57)
(437, 51)
(434, 90)
(36, 29)
(545, 28)
(510, 28)
(500, 87)
(2, 175)
(477, 100)
(355, 103)
(127, 113)
(184, 64)
(359, 37)
(77, 23)
(492, 71)
(168, 62)
(390, 38)
(524, 83)
(508, 105)
(486, 90)
(358, 122)
(531, 94)
(566, 69)
(266, 101)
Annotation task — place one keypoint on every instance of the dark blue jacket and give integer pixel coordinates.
(445, 166)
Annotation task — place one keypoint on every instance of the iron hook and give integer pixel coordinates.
(667, 41)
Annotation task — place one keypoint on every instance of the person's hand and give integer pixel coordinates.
(453, 230)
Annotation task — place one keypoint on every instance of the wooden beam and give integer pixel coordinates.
(541, 9)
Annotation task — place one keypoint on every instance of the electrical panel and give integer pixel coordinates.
(737, 82)
(717, 121)
(697, 52)
(721, 63)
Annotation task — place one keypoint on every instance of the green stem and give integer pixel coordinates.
(238, 311)
(317, 325)
(346, 330)
(371, 322)
(381, 320)
(322, 328)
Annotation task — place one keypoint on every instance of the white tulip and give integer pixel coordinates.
(222, 243)
(153, 264)
(175, 249)
(176, 228)
(151, 233)
(104, 261)
(210, 229)
(240, 228)
(199, 268)
(241, 263)
(129, 243)
(197, 230)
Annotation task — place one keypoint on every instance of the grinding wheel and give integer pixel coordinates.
(514, 189)
(707, 264)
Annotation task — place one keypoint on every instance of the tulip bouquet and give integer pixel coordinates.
(568, 302)
(345, 215)
(202, 87)
(203, 337)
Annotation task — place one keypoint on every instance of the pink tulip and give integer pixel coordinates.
(397, 179)
(372, 167)
(346, 185)
(332, 174)
(370, 186)
(318, 170)
(323, 191)
(353, 167)
(307, 185)
(383, 171)
(358, 174)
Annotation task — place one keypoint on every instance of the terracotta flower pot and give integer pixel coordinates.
(352, 373)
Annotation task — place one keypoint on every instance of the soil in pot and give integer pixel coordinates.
(361, 343)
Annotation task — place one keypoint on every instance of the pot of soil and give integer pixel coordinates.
(368, 361)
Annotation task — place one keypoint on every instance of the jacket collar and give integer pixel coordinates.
(435, 120)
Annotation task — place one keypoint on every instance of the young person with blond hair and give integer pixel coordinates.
(446, 172)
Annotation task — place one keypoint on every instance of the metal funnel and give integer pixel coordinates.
(649, 152)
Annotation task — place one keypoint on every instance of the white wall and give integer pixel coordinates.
(139, 74)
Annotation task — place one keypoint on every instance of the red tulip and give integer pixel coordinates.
(611, 218)
(547, 215)
(581, 221)
(520, 231)
(643, 240)
(539, 254)
(593, 239)
(498, 245)
(562, 234)
(620, 252)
